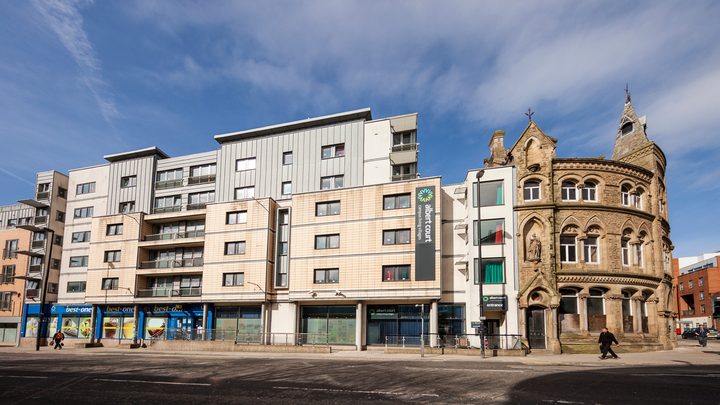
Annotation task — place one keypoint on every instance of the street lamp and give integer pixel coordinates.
(481, 329)
(422, 328)
(45, 275)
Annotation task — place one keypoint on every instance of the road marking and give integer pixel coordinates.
(153, 382)
(476, 369)
(21, 376)
(355, 391)
(676, 375)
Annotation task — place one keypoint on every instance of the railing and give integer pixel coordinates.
(400, 177)
(169, 264)
(35, 268)
(42, 195)
(9, 254)
(168, 184)
(197, 206)
(40, 220)
(404, 147)
(248, 338)
(175, 235)
(210, 178)
(170, 292)
(459, 341)
(32, 293)
(173, 208)
(37, 244)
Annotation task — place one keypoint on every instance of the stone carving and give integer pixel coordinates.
(535, 249)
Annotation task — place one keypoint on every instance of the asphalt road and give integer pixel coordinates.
(155, 378)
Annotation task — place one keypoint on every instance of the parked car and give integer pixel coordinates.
(689, 333)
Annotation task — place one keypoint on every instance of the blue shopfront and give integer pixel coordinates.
(74, 320)
(171, 321)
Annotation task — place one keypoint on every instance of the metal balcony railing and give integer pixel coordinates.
(160, 210)
(41, 220)
(42, 195)
(210, 178)
(400, 177)
(196, 206)
(9, 254)
(32, 293)
(37, 244)
(168, 184)
(35, 268)
(170, 292)
(403, 147)
(171, 264)
(175, 235)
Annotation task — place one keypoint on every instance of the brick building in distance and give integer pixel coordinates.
(697, 287)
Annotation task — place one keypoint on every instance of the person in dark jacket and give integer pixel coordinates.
(58, 338)
(606, 340)
(702, 335)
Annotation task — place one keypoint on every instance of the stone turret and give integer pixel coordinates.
(498, 153)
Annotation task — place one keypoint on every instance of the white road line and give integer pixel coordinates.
(355, 391)
(153, 382)
(22, 376)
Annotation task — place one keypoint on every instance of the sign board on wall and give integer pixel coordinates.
(495, 303)
(425, 233)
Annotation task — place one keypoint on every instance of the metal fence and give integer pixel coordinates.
(249, 338)
(460, 341)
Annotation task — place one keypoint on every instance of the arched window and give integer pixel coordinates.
(568, 249)
(531, 190)
(627, 311)
(625, 251)
(637, 198)
(625, 195)
(591, 251)
(626, 128)
(589, 191)
(569, 191)
(596, 309)
(639, 252)
(568, 301)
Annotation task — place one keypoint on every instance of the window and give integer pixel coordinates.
(596, 302)
(60, 216)
(58, 240)
(127, 207)
(702, 308)
(491, 232)
(236, 217)
(590, 250)
(589, 191)
(203, 170)
(702, 295)
(112, 256)
(531, 190)
(397, 201)
(626, 128)
(245, 164)
(199, 200)
(327, 241)
(233, 279)
(76, 286)
(568, 301)
(167, 204)
(286, 188)
(85, 188)
(701, 282)
(330, 182)
(242, 193)
(11, 248)
(114, 229)
(333, 151)
(78, 261)
(287, 158)
(323, 209)
(327, 276)
(8, 274)
(43, 187)
(568, 191)
(12, 222)
(625, 195)
(55, 264)
(110, 283)
(62, 192)
(404, 172)
(85, 212)
(690, 284)
(128, 181)
(6, 301)
(637, 199)
(681, 286)
(491, 193)
(235, 248)
(41, 212)
(396, 273)
(639, 254)
(169, 176)
(625, 250)
(568, 249)
(396, 237)
(493, 271)
(404, 138)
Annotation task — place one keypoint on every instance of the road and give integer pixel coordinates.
(153, 378)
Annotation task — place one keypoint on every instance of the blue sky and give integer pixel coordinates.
(81, 79)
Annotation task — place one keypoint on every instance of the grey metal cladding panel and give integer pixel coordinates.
(187, 161)
(144, 169)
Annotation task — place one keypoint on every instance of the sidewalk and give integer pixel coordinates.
(687, 353)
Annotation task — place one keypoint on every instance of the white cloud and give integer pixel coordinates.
(64, 18)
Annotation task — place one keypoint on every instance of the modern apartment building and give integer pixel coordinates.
(697, 284)
(31, 233)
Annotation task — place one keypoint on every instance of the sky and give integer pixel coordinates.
(82, 79)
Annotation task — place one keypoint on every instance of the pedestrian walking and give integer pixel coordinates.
(200, 331)
(702, 335)
(606, 340)
(58, 337)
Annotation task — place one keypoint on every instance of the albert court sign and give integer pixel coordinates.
(425, 233)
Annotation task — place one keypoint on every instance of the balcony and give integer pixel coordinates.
(196, 206)
(403, 154)
(159, 185)
(42, 195)
(9, 254)
(35, 268)
(175, 235)
(688, 312)
(162, 210)
(41, 220)
(210, 178)
(32, 293)
(37, 244)
(401, 177)
(169, 292)
(404, 147)
(172, 264)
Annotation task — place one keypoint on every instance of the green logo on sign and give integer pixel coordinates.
(425, 195)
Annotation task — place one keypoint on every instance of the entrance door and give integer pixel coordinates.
(536, 327)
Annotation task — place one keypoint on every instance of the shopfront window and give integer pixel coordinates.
(242, 324)
(76, 327)
(118, 327)
(392, 323)
(331, 324)
(451, 320)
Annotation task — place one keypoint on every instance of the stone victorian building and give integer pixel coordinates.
(593, 240)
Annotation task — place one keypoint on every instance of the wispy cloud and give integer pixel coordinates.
(16, 177)
(64, 18)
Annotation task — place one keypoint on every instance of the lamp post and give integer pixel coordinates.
(422, 328)
(45, 275)
(481, 329)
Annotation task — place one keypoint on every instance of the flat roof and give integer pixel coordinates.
(133, 154)
(363, 114)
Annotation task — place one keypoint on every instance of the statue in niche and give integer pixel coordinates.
(535, 249)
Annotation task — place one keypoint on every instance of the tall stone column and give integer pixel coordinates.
(652, 317)
(637, 314)
(552, 329)
(523, 323)
(359, 326)
(613, 313)
(433, 329)
(582, 310)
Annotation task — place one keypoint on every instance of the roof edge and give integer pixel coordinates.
(134, 154)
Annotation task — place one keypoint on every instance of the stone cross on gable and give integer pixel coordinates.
(529, 114)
